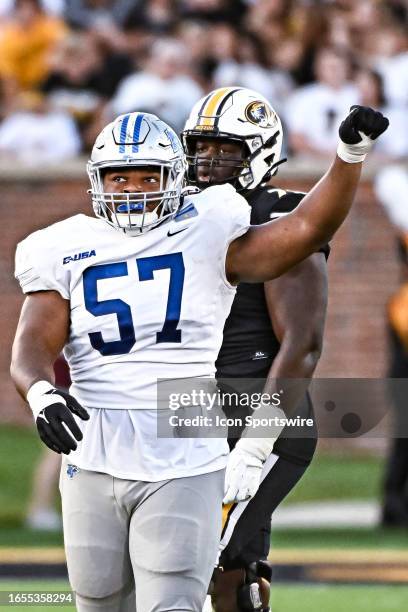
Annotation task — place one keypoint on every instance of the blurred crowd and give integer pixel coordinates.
(69, 66)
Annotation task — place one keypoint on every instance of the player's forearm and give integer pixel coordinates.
(316, 219)
(41, 334)
(290, 375)
(294, 362)
(31, 361)
(289, 379)
(325, 207)
(293, 238)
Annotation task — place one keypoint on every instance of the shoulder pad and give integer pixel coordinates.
(186, 211)
(271, 202)
(284, 201)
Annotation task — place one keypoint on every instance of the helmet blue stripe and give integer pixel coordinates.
(136, 133)
(123, 129)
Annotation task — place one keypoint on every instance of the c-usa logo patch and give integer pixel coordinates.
(72, 470)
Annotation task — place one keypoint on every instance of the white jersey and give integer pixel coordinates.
(142, 308)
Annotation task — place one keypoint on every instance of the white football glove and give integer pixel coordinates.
(242, 476)
(245, 462)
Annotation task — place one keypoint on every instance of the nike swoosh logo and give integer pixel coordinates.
(169, 233)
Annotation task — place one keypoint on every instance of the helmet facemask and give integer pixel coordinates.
(138, 212)
(238, 165)
(251, 164)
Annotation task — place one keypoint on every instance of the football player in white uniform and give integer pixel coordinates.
(138, 293)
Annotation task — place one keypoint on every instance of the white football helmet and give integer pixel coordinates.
(239, 115)
(137, 140)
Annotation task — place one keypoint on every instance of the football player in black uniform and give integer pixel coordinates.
(274, 330)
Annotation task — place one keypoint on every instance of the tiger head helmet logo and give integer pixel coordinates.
(260, 114)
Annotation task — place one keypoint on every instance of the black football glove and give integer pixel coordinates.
(358, 132)
(54, 420)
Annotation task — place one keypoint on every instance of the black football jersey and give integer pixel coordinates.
(249, 343)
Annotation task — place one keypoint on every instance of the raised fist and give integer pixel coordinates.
(358, 132)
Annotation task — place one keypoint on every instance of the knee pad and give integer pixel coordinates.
(112, 603)
(123, 601)
(248, 595)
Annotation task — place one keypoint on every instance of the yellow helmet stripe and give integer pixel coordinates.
(209, 112)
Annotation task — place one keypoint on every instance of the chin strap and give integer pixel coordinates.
(271, 172)
(273, 169)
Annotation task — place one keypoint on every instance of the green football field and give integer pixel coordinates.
(316, 598)
(331, 476)
(292, 598)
